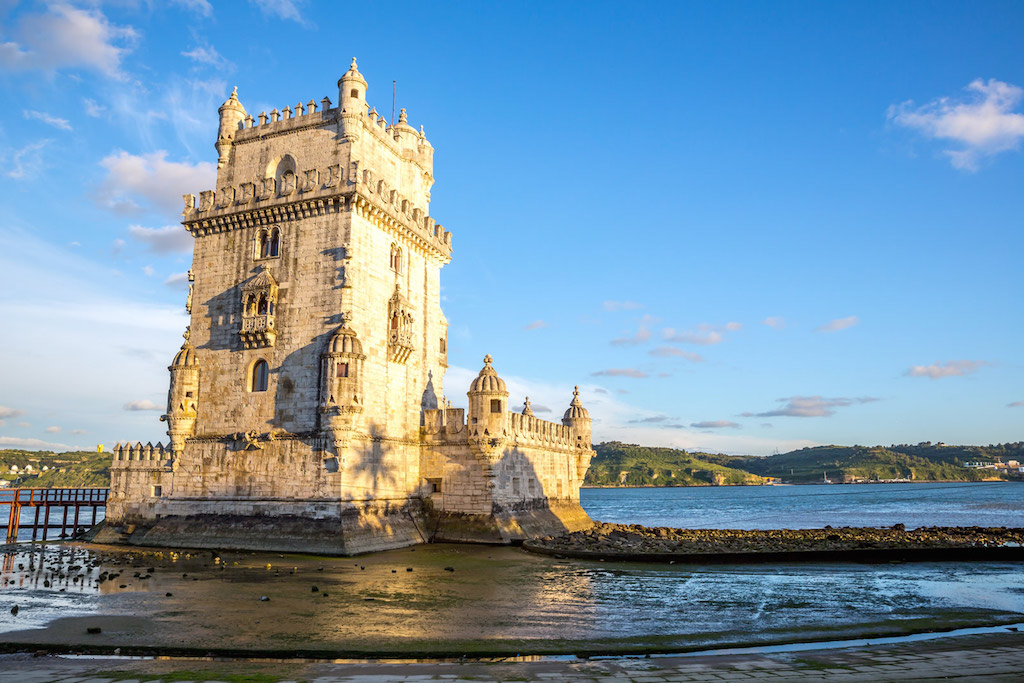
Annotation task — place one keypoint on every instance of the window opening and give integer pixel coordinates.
(495, 405)
(342, 370)
(260, 376)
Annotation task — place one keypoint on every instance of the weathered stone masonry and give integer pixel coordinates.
(303, 410)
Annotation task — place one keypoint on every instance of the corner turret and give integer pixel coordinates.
(341, 387)
(488, 401)
(232, 118)
(182, 397)
(352, 91)
(577, 418)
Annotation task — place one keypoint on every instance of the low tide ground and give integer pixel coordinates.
(451, 600)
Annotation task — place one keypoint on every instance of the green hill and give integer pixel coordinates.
(920, 462)
(83, 469)
(620, 464)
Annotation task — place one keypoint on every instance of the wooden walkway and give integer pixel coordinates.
(42, 502)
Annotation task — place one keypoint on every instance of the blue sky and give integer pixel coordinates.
(737, 226)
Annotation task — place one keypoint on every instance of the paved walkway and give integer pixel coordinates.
(998, 657)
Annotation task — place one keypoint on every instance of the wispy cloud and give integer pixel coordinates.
(135, 181)
(774, 321)
(281, 9)
(839, 324)
(983, 124)
(208, 55)
(69, 37)
(951, 368)
(93, 108)
(201, 7)
(170, 239)
(33, 444)
(620, 372)
(642, 334)
(53, 430)
(673, 352)
(49, 120)
(810, 406)
(536, 325)
(1015, 404)
(615, 306)
(704, 335)
(27, 161)
(715, 424)
(142, 404)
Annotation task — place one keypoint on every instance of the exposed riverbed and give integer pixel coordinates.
(471, 600)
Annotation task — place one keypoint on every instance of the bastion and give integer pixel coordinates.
(306, 409)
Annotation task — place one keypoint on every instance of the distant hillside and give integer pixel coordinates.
(85, 469)
(920, 462)
(620, 464)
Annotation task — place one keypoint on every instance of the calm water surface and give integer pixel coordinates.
(811, 506)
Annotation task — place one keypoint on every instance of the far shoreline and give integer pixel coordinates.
(808, 483)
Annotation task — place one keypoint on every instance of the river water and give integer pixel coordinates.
(465, 599)
(811, 506)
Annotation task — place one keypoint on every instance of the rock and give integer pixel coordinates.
(315, 589)
(449, 569)
(94, 630)
(264, 598)
(15, 610)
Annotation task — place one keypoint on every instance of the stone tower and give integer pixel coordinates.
(299, 403)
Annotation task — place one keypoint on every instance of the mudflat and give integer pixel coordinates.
(454, 600)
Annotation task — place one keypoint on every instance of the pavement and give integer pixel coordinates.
(988, 657)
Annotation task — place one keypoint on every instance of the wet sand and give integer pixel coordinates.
(468, 600)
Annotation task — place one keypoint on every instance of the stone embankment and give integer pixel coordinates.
(636, 542)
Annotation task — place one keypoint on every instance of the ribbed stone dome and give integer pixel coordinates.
(576, 410)
(345, 341)
(488, 381)
(185, 357)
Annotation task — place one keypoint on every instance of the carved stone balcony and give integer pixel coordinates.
(399, 345)
(257, 331)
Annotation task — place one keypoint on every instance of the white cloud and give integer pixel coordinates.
(143, 404)
(620, 372)
(178, 281)
(148, 270)
(49, 120)
(208, 55)
(810, 406)
(1015, 404)
(536, 325)
(673, 352)
(28, 160)
(280, 9)
(30, 444)
(614, 306)
(774, 321)
(983, 125)
(6, 413)
(53, 430)
(170, 239)
(67, 36)
(952, 368)
(93, 108)
(704, 335)
(839, 324)
(79, 432)
(153, 180)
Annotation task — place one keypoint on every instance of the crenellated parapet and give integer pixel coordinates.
(312, 192)
(133, 455)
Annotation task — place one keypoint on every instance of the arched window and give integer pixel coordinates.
(250, 305)
(262, 245)
(260, 376)
(275, 243)
(263, 308)
(398, 260)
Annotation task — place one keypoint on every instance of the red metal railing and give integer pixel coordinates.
(43, 500)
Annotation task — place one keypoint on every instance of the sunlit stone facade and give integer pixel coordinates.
(305, 408)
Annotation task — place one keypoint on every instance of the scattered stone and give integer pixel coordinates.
(449, 569)
(94, 630)
(15, 610)
(408, 569)
(315, 589)
(264, 598)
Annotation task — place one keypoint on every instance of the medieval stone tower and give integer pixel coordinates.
(303, 408)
